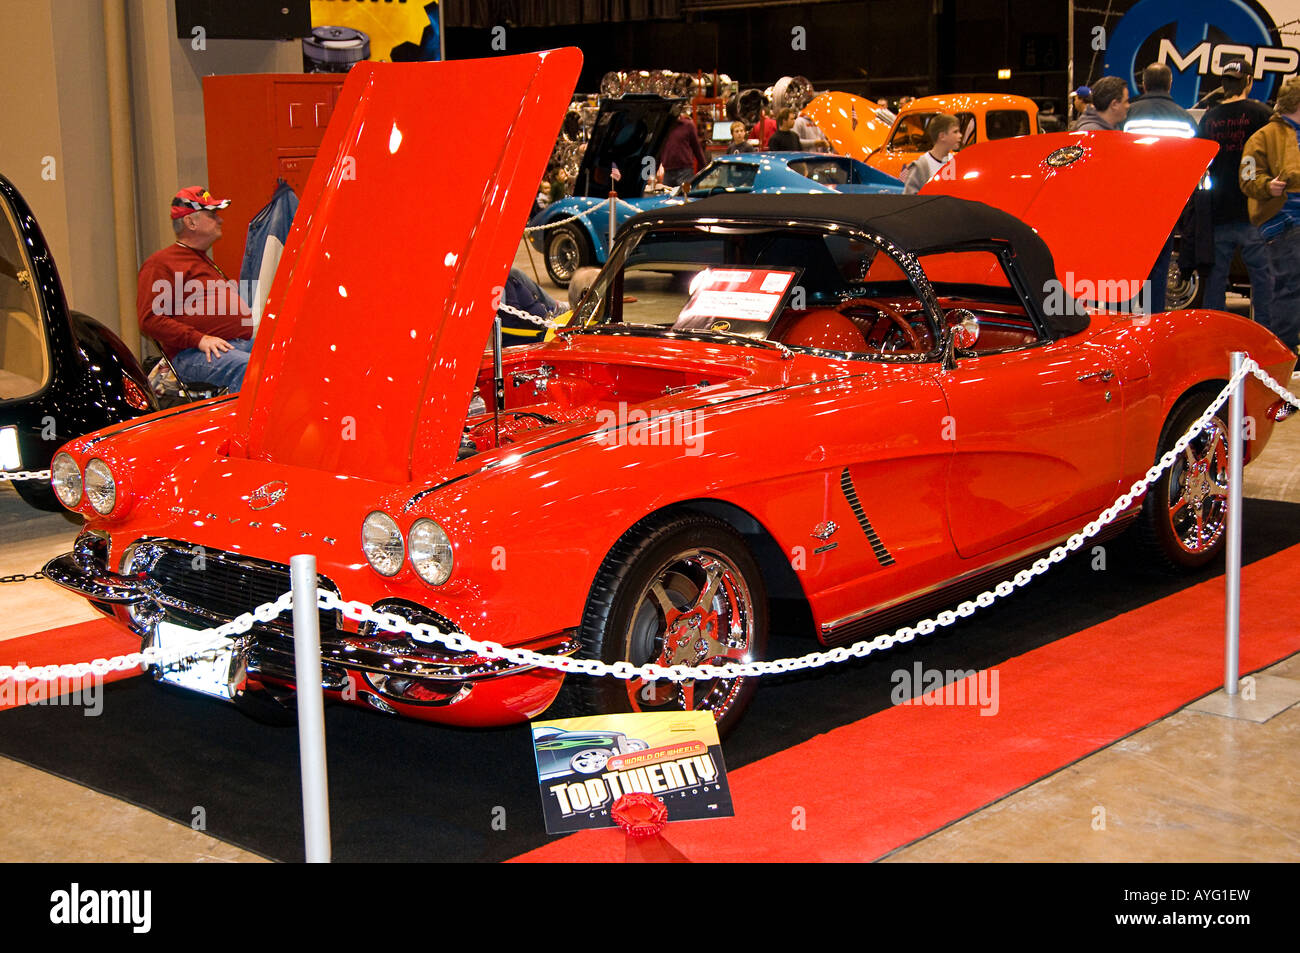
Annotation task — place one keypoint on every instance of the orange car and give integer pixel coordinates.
(983, 116)
(856, 127)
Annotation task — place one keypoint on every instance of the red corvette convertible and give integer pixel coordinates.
(873, 404)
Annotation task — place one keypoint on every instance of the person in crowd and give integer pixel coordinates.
(186, 303)
(1080, 100)
(904, 102)
(811, 138)
(1108, 108)
(739, 142)
(764, 128)
(682, 154)
(522, 294)
(784, 139)
(944, 132)
(1230, 124)
(1155, 113)
(1269, 176)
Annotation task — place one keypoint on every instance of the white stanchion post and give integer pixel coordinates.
(613, 205)
(311, 709)
(1232, 573)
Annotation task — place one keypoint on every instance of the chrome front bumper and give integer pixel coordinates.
(267, 649)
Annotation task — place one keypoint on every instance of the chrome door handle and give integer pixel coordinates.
(1102, 376)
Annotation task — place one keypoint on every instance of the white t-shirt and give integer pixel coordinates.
(923, 169)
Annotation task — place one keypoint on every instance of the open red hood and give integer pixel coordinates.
(373, 336)
(1104, 202)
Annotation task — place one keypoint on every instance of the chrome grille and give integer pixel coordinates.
(227, 585)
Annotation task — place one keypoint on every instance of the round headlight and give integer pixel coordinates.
(381, 541)
(65, 478)
(431, 554)
(101, 489)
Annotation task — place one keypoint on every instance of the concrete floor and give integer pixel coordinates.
(1203, 784)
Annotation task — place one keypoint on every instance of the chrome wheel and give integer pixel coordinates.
(565, 254)
(673, 590)
(697, 609)
(1181, 292)
(589, 761)
(1198, 491)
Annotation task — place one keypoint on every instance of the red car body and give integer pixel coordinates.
(937, 473)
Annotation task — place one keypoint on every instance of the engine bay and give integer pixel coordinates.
(542, 393)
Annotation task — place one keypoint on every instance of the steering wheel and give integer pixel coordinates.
(890, 312)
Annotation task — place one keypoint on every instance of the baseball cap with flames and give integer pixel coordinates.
(196, 198)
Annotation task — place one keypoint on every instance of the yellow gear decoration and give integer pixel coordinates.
(388, 25)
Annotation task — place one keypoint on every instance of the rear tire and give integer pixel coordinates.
(684, 590)
(1183, 525)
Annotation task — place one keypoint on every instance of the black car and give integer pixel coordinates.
(62, 374)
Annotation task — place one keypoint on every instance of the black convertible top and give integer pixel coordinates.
(915, 223)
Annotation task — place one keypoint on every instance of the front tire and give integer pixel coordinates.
(682, 591)
(589, 761)
(1184, 516)
(39, 494)
(567, 250)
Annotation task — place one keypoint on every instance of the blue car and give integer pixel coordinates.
(584, 241)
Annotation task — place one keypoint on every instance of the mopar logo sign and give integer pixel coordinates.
(1194, 38)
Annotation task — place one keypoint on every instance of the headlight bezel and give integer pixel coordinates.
(436, 544)
(376, 520)
(59, 481)
(105, 488)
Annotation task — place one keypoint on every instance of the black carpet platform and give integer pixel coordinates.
(402, 790)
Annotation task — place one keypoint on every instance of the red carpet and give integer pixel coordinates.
(867, 788)
(69, 644)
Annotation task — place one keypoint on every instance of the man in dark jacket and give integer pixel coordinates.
(1230, 124)
(784, 139)
(1155, 113)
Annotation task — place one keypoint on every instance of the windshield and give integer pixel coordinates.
(825, 171)
(725, 177)
(801, 287)
(24, 360)
(910, 136)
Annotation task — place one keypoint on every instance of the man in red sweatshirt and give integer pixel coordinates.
(681, 155)
(188, 305)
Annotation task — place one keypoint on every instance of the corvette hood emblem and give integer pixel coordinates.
(267, 495)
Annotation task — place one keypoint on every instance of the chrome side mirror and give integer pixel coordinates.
(961, 334)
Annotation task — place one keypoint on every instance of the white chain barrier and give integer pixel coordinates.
(559, 221)
(525, 316)
(201, 643)
(602, 207)
(1267, 380)
(211, 640)
(15, 475)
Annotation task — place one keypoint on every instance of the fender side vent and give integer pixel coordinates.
(851, 494)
